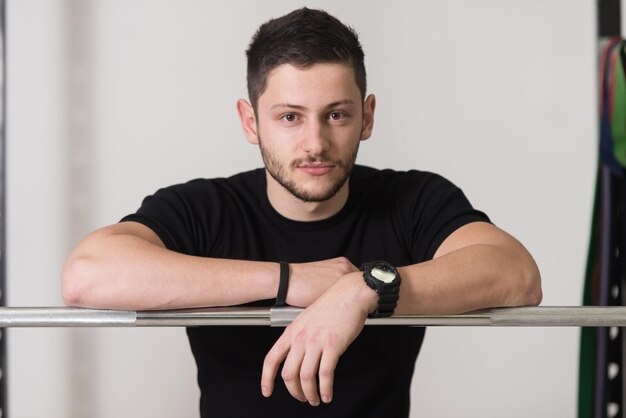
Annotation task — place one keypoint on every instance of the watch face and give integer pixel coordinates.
(383, 275)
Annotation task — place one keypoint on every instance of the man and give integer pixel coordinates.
(221, 242)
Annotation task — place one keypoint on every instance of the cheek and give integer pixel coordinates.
(274, 144)
(348, 137)
(282, 141)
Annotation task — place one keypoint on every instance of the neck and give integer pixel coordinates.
(295, 209)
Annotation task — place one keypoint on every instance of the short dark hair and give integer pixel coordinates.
(302, 38)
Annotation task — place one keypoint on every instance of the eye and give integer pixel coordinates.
(336, 115)
(289, 117)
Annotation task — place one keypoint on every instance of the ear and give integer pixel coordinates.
(248, 121)
(368, 117)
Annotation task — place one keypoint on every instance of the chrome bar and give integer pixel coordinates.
(281, 317)
(65, 317)
(561, 316)
(204, 317)
(544, 316)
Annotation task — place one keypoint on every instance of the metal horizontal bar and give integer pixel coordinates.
(574, 316)
(65, 317)
(281, 317)
(552, 316)
(204, 317)
(561, 316)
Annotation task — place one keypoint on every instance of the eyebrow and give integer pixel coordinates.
(299, 107)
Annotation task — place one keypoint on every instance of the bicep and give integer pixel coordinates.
(476, 233)
(137, 229)
(101, 236)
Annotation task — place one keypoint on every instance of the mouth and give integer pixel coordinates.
(316, 169)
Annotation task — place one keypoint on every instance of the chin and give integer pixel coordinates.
(317, 194)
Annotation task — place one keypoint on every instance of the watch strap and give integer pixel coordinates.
(387, 293)
(387, 303)
(283, 285)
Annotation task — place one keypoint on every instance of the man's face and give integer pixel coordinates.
(309, 123)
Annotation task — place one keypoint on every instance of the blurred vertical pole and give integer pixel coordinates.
(609, 18)
(601, 385)
(610, 381)
(3, 337)
(82, 346)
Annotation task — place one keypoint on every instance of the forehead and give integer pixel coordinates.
(314, 86)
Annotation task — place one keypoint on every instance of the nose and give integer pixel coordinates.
(315, 139)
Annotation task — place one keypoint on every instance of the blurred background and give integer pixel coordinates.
(109, 100)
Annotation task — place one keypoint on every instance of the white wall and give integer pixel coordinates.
(110, 99)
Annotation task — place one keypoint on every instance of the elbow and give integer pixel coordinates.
(531, 292)
(523, 284)
(86, 282)
(75, 282)
(534, 294)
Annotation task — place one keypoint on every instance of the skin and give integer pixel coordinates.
(308, 124)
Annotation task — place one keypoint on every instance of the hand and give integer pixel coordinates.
(308, 281)
(312, 344)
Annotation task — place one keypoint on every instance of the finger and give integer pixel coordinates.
(308, 373)
(291, 372)
(327, 366)
(272, 361)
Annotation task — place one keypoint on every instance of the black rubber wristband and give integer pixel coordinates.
(283, 284)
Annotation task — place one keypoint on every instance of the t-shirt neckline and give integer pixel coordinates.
(274, 214)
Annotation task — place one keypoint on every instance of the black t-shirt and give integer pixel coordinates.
(400, 217)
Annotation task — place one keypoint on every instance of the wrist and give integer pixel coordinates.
(365, 296)
(385, 280)
(283, 285)
(271, 279)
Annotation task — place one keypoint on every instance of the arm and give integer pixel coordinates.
(126, 266)
(477, 266)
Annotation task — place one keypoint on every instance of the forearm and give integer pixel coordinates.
(123, 271)
(474, 277)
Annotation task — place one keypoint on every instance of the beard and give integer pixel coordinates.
(280, 173)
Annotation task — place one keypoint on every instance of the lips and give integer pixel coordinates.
(316, 169)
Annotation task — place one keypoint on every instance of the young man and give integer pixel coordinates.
(219, 242)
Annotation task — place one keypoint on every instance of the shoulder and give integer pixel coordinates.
(241, 183)
(421, 194)
(415, 181)
(201, 196)
(186, 215)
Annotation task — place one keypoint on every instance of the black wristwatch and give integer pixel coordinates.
(385, 280)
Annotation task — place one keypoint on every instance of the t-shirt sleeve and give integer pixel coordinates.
(439, 208)
(172, 215)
